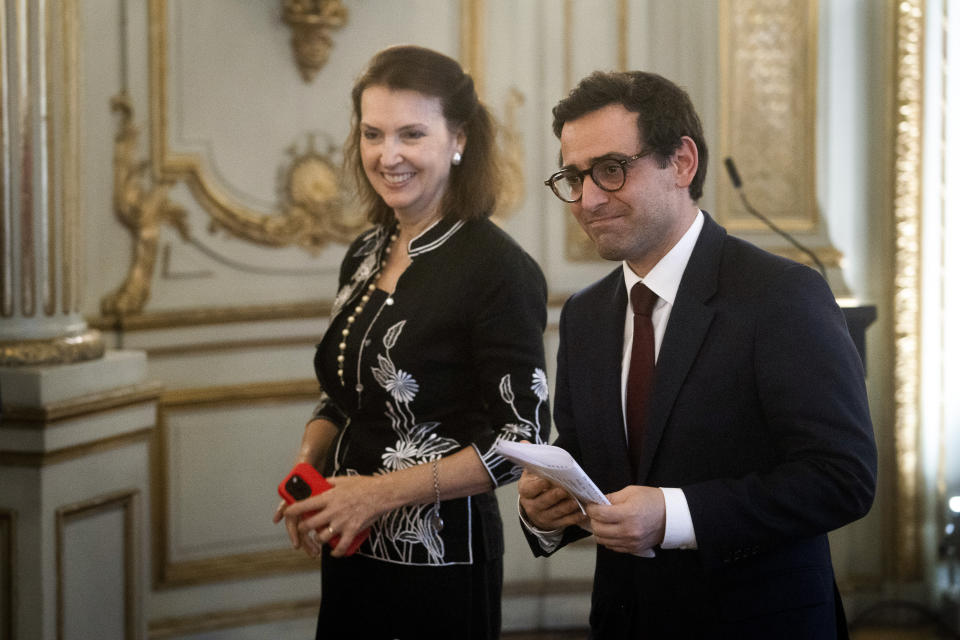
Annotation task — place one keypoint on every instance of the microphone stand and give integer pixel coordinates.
(735, 180)
(857, 318)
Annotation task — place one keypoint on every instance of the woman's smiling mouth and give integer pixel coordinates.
(396, 179)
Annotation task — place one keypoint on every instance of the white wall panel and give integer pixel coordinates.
(95, 561)
(223, 467)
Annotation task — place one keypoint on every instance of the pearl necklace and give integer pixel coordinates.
(357, 310)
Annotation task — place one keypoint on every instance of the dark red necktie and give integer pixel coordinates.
(640, 376)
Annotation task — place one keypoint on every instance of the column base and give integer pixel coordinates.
(78, 347)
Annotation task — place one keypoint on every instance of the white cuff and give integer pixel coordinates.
(678, 529)
(549, 540)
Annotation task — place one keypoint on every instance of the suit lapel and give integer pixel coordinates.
(689, 320)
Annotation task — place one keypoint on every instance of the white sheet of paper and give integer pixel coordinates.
(558, 466)
(554, 464)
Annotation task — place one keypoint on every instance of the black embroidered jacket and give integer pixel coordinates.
(453, 358)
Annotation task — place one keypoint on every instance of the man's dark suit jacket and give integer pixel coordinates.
(758, 413)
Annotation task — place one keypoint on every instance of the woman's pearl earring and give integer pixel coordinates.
(456, 159)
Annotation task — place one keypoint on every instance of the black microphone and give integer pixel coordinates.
(735, 180)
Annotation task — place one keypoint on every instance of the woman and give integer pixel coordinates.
(433, 353)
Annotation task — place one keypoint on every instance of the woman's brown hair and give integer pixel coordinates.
(475, 183)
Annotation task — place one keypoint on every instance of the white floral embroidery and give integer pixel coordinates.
(370, 249)
(539, 388)
(400, 457)
(363, 272)
(540, 384)
(402, 534)
(518, 430)
(398, 383)
(523, 429)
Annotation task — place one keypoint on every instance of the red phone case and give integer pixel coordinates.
(291, 491)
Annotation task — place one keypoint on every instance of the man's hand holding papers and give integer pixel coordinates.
(555, 493)
(555, 465)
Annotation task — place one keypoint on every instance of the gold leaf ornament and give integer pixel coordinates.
(311, 22)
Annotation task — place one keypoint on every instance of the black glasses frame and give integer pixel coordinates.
(569, 172)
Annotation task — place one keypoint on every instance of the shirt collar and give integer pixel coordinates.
(664, 278)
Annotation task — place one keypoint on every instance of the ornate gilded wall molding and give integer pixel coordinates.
(313, 203)
(143, 209)
(314, 213)
(907, 201)
(768, 62)
(313, 209)
(311, 22)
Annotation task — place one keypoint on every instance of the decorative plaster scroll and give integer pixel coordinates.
(768, 73)
(313, 212)
(142, 210)
(311, 22)
(313, 204)
(907, 200)
(310, 191)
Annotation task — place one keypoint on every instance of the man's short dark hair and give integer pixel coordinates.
(664, 113)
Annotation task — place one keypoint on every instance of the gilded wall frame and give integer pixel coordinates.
(168, 573)
(907, 199)
(143, 207)
(126, 503)
(261, 227)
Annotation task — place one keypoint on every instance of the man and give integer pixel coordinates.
(750, 439)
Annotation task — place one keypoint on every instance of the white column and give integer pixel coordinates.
(40, 257)
(77, 421)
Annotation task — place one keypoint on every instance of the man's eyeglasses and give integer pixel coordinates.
(610, 174)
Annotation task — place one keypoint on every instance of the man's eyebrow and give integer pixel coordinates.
(612, 155)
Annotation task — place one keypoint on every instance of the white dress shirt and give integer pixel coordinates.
(664, 280)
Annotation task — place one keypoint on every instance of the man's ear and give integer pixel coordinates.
(686, 160)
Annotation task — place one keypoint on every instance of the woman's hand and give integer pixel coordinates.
(318, 435)
(299, 541)
(351, 505)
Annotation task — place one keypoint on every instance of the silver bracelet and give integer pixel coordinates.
(435, 518)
